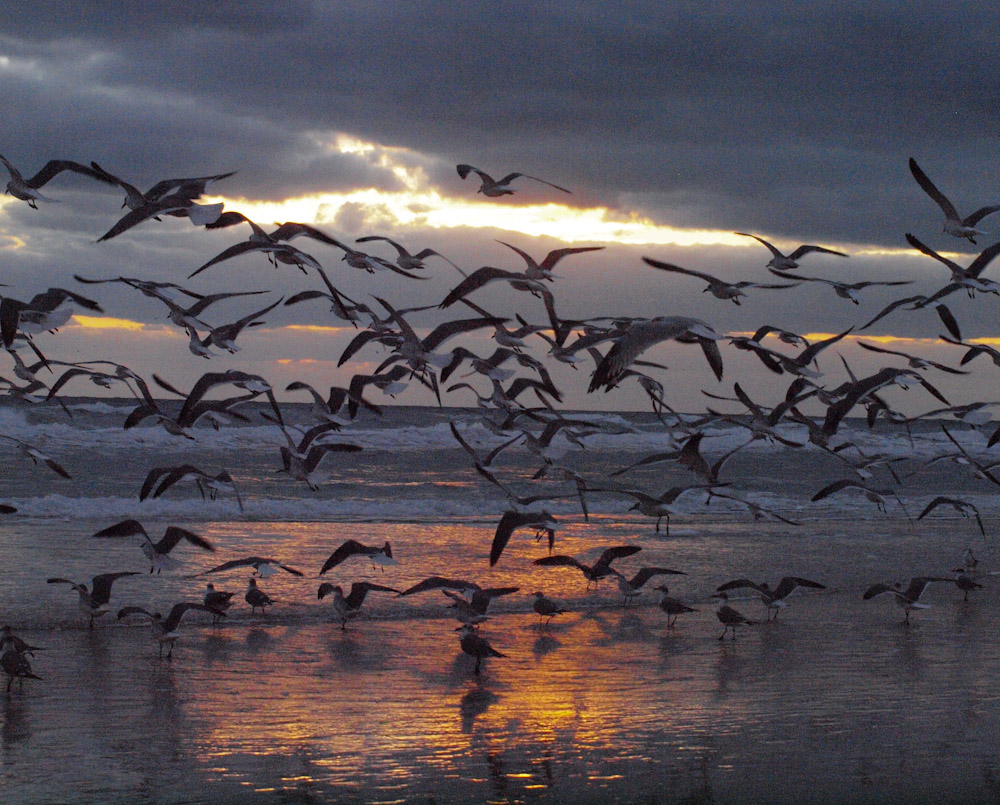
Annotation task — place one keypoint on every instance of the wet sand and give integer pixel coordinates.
(835, 701)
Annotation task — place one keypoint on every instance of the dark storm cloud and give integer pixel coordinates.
(779, 118)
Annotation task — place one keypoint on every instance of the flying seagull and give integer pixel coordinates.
(158, 553)
(954, 224)
(500, 187)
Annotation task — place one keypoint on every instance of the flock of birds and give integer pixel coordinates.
(512, 388)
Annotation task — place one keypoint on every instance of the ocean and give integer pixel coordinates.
(834, 700)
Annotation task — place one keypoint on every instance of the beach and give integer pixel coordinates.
(836, 700)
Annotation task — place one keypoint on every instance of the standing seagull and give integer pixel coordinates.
(499, 187)
(218, 601)
(15, 664)
(158, 553)
(476, 646)
(672, 607)
(776, 598)
(95, 601)
(730, 618)
(909, 598)
(27, 189)
(349, 606)
(546, 608)
(256, 597)
(954, 224)
(165, 630)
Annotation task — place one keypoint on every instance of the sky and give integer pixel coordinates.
(674, 127)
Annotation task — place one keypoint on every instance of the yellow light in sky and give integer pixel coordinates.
(420, 205)
(106, 323)
(432, 210)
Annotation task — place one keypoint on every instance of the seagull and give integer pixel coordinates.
(914, 361)
(630, 588)
(720, 289)
(909, 598)
(542, 522)
(95, 601)
(476, 646)
(136, 199)
(475, 610)
(7, 636)
(783, 263)
(845, 290)
(546, 608)
(256, 597)
(350, 606)
(876, 496)
(377, 555)
(165, 630)
(217, 600)
(168, 476)
(407, 261)
(672, 607)
(776, 598)
(27, 189)
(158, 553)
(494, 188)
(262, 567)
(15, 664)
(179, 204)
(963, 507)
(599, 570)
(638, 336)
(46, 311)
(441, 583)
(953, 224)
(36, 456)
(965, 582)
(730, 618)
(663, 506)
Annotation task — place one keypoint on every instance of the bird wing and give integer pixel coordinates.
(616, 552)
(771, 248)
(737, 584)
(178, 611)
(361, 588)
(789, 583)
(879, 589)
(100, 592)
(560, 560)
(349, 548)
(808, 248)
(72, 584)
(174, 535)
(480, 277)
(646, 573)
(929, 188)
(439, 583)
(126, 528)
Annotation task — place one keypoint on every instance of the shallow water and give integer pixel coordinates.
(836, 700)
